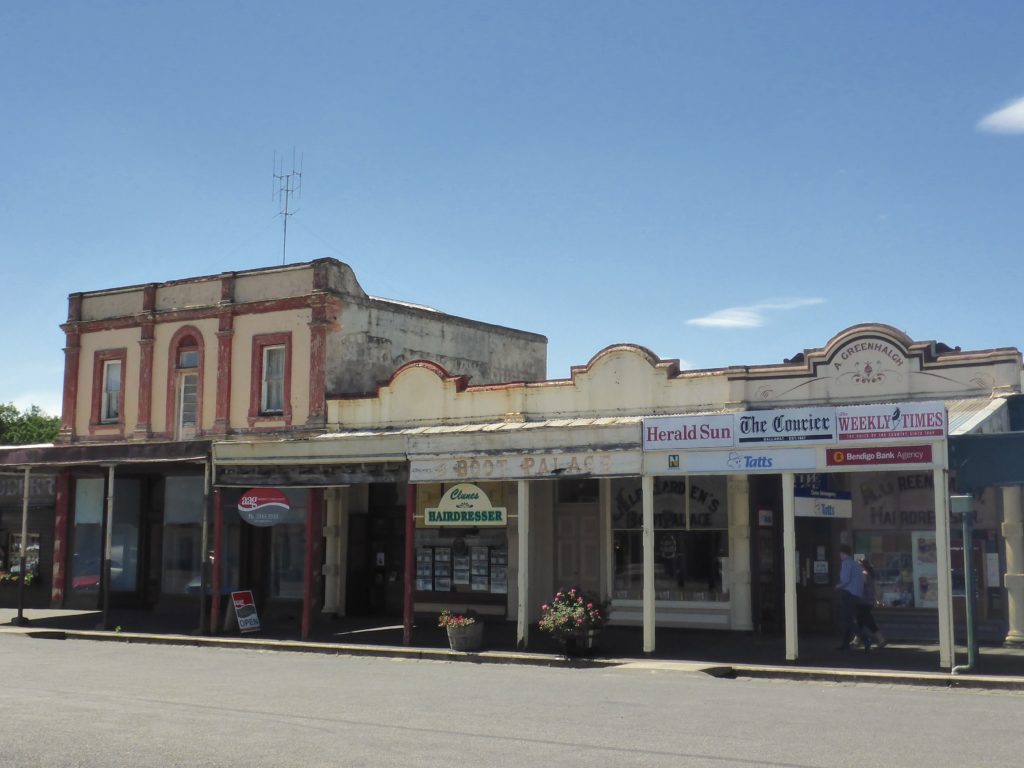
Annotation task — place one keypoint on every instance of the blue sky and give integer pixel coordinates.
(723, 182)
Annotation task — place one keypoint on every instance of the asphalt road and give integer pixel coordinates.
(82, 703)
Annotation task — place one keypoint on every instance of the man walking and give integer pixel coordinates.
(851, 592)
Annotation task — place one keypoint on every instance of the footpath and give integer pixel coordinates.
(717, 653)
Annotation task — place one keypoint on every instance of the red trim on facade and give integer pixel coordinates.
(225, 342)
(142, 426)
(175, 346)
(69, 404)
(193, 315)
(323, 322)
(96, 426)
(259, 343)
(61, 539)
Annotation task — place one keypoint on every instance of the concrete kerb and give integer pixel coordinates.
(725, 671)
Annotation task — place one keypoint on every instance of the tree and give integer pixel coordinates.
(30, 427)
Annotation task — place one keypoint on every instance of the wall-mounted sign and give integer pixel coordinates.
(709, 431)
(743, 461)
(822, 504)
(895, 421)
(525, 466)
(882, 423)
(263, 506)
(910, 454)
(245, 611)
(465, 506)
(795, 425)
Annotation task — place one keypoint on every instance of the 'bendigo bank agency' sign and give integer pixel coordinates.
(828, 425)
(466, 506)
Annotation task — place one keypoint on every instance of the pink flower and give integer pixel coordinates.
(590, 606)
(545, 607)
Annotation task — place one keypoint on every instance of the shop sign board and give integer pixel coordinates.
(465, 506)
(877, 423)
(263, 507)
(822, 504)
(526, 466)
(707, 431)
(794, 425)
(895, 421)
(744, 461)
(903, 454)
(245, 611)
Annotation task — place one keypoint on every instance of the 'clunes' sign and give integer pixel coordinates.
(465, 506)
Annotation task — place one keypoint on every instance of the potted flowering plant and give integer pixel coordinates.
(465, 633)
(573, 619)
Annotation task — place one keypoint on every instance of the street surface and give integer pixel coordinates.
(116, 705)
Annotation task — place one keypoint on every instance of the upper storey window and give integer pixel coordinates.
(272, 397)
(185, 384)
(108, 388)
(270, 392)
(111, 407)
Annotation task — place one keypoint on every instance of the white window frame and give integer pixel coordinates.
(265, 388)
(110, 405)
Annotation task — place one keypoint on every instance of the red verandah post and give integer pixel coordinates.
(311, 567)
(410, 553)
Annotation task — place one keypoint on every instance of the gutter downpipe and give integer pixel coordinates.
(962, 506)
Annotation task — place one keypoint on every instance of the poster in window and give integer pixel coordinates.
(460, 570)
(479, 561)
(442, 569)
(499, 580)
(926, 579)
(425, 569)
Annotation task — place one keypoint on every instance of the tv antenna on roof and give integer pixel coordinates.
(286, 185)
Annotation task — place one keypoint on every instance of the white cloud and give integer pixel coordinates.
(749, 317)
(1009, 119)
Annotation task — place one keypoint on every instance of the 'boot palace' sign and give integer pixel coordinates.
(465, 506)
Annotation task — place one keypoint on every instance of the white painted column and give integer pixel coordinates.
(741, 612)
(1013, 537)
(942, 563)
(647, 483)
(789, 564)
(523, 580)
(607, 538)
(334, 595)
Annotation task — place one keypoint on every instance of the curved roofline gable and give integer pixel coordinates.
(671, 367)
(459, 383)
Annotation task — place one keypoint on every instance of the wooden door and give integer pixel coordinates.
(578, 547)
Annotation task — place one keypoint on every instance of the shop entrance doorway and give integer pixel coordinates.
(578, 547)
(817, 549)
(376, 555)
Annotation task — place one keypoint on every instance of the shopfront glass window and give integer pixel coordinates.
(87, 536)
(182, 539)
(124, 540)
(691, 538)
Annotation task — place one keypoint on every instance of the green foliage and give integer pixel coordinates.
(30, 427)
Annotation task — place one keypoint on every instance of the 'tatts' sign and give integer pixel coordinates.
(466, 506)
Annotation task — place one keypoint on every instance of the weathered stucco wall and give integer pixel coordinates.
(92, 343)
(377, 337)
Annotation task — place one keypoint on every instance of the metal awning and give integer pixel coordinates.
(978, 416)
(76, 455)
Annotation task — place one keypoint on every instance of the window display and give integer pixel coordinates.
(691, 538)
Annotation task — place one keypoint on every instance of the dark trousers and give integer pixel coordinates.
(848, 605)
(865, 620)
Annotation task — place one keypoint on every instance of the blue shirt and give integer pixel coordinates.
(851, 578)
